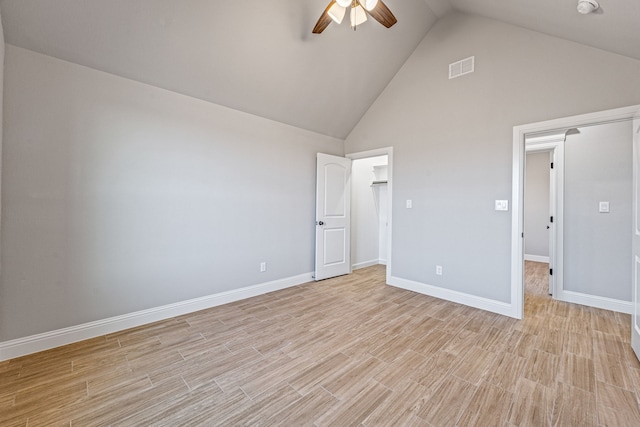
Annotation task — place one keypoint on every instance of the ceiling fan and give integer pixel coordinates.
(359, 9)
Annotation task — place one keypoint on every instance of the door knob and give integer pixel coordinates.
(320, 223)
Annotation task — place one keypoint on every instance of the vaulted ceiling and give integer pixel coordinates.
(260, 56)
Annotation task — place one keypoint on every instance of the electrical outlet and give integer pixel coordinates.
(263, 267)
(409, 204)
(438, 270)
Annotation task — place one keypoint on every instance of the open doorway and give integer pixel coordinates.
(334, 245)
(543, 213)
(537, 224)
(371, 241)
(369, 205)
(593, 260)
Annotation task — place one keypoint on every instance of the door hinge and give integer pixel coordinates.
(523, 235)
(551, 219)
(551, 165)
(551, 272)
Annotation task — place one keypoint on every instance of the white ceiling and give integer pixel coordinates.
(260, 56)
(614, 27)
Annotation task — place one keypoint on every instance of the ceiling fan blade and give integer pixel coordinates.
(324, 20)
(382, 14)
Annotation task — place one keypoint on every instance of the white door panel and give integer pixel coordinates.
(333, 216)
(635, 320)
(552, 219)
(334, 246)
(334, 197)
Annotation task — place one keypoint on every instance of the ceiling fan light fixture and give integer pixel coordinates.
(358, 16)
(586, 7)
(358, 11)
(368, 4)
(336, 12)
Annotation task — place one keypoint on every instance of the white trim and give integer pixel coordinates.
(517, 182)
(382, 261)
(565, 123)
(635, 325)
(636, 172)
(596, 301)
(365, 264)
(35, 343)
(481, 303)
(388, 151)
(536, 258)
(517, 224)
(369, 153)
(544, 142)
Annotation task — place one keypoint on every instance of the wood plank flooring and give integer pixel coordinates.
(345, 351)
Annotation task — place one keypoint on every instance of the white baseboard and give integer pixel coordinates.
(47, 340)
(482, 303)
(382, 261)
(596, 301)
(365, 264)
(536, 258)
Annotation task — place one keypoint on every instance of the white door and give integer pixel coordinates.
(333, 216)
(552, 221)
(635, 320)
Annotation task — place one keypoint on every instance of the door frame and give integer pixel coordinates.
(520, 134)
(635, 242)
(388, 151)
(553, 144)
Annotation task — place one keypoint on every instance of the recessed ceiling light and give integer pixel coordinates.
(587, 6)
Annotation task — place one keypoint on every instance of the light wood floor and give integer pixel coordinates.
(536, 279)
(345, 351)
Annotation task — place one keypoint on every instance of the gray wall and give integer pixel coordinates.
(452, 140)
(536, 205)
(118, 196)
(597, 246)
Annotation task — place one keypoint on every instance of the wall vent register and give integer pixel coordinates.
(462, 67)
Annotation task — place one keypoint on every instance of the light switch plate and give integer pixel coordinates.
(409, 204)
(502, 205)
(604, 207)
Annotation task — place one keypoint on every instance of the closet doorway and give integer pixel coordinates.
(369, 211)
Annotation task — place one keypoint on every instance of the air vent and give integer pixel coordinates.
(461, 68)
